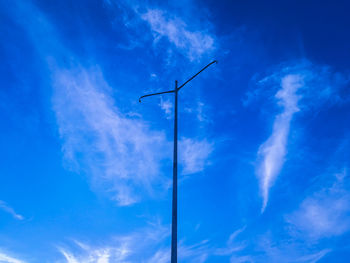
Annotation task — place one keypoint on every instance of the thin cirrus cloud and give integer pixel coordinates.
(200, 110)
(97, 138)
(287, 250)
(268, 247)
(120, 151)
(232, 245)
(90, 254)
(167, 107)
(5, 207)
(149, 244)
(324, 214)
(303, 87)
(122, 154)
(143, 245)
(129, 247)
(313, 258)
(194, 154)
(192, 43)
(9, 259)
(273, 151)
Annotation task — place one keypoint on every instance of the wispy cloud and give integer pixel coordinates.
(304, 86)
(306, 234)
(315, 257)
(150, 244)
(92, 255)
(324, 214)
(161, 256)
(193, 43)
(232, 245)
(5, 258)
(200, 111)
(138, 246)
(269, 248)
(202, 251)
(188, 35)
(272, 152)
(242, 259)
(5, 207)
(194, 154)
(323, 87)
(195, 253)
(167, 107)
(121, 153)
(287, 250)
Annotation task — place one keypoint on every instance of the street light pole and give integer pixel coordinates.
(174, 207)
(174, 201)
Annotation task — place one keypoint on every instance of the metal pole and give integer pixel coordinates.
(174, 210)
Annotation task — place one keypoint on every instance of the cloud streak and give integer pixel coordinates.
(192, 43)
(121, 153)
(324, 214)
(272, 152)
(9, 259)
(143, 245)
(131, 247)
(167, 107)
(5, 207)
(194, 154)
(303, 87)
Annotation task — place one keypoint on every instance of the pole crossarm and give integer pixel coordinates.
(215, 61)
(171, 91)
(158, 93)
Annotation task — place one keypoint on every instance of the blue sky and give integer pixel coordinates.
(263, 135)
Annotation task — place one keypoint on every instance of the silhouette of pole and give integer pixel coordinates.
(174, 208)
(174, 200)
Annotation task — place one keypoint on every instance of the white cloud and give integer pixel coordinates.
(232, 245)
(122, 249)
(187, 34)
(5, 207)
(193, 44)
(200, 111)
(95, 255)
(323, 87)
(122, 154)
(242, 259)
(324, 214)
(150, 244)
(197, 253)
(305, 87)
(167, 107)
(313, 258)
(272, 152)
(267, 248)
(119, 152)
(306, 234)
(4, 258)
(161, 256)
(194, 154)
(286, 250)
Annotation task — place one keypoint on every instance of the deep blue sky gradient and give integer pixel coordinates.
(71, 75)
